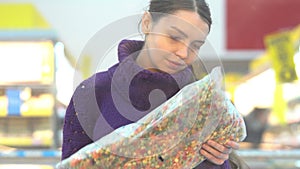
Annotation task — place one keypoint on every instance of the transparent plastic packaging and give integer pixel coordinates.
(171, 135)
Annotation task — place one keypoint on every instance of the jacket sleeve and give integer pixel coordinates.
(209, 165)
(74, 137)
(80, 118)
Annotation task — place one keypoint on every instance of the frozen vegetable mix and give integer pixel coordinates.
(171, 135)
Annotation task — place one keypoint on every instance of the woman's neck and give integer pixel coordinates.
(144, 60)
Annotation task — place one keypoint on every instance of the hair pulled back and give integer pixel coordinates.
(171, 6)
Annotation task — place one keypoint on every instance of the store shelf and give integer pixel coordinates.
(34, 107)
(26, 166)
(30, 153)
(271, 159)
(27, 132)
(31, 159)
(28, 94)
(28, 34)
(256, 159)
(26, 141)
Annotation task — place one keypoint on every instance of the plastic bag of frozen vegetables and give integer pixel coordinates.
(171, 135)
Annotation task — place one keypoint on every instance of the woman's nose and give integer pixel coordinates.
(183, 51)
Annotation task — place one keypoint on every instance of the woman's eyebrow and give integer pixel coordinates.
(185, 35)
(199, 41)
(180, 31)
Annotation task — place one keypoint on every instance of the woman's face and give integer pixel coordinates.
(172, 43)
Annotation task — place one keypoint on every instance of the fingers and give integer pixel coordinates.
(212, 158)
(219, 147)
(233, 145)
(215, 152)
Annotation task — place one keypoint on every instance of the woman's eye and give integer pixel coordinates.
(196, 47)
(176, 38)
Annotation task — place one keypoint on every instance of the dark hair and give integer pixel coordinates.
(171, 6)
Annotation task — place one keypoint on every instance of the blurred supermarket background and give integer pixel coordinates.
(257, 41)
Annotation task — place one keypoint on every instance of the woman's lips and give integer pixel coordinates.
(175, 65)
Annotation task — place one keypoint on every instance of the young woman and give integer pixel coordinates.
(148, 73)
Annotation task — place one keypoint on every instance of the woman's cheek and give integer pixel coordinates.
(193, 56)
(165, 45)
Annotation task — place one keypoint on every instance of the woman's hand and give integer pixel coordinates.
(218, 153)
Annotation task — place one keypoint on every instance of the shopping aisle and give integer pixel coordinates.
(47, 159)
(271, 159)
(29, 159)
(22, 166)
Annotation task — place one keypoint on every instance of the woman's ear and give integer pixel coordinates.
(146, 22)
